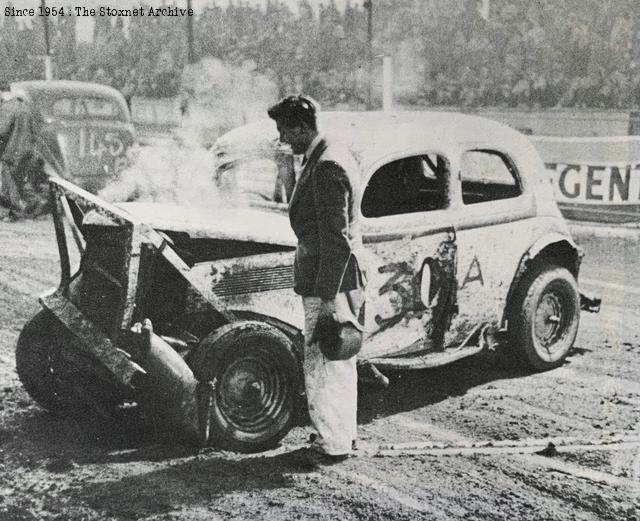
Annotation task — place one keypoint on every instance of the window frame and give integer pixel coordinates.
(402, 219)
(511, 166)
(77, 101)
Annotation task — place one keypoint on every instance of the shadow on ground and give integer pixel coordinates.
(194, 482)
(85, 439)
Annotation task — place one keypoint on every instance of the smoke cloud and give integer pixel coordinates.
(180, 169)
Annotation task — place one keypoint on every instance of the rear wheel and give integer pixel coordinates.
(256, 379)
(545, 319)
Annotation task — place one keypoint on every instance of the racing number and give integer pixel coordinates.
(474, 273)
(403, 288)
(93, 145)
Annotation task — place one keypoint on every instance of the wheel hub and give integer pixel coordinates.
(250, 393)
(243, 388)
(548, 320)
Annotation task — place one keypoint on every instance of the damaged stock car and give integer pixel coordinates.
(87, 127)
(190, 313)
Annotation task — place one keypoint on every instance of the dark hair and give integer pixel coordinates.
(294, 110)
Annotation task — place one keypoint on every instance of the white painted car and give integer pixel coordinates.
(464, 249)
(462, 236)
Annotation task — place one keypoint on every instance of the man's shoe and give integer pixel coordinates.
(318, 458)
(313, 437)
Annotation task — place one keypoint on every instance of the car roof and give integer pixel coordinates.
(374, 136)
(67, 88)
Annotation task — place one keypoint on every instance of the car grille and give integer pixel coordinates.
(255, 280)
(103, 283)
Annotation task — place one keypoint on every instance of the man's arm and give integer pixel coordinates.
(332, 194)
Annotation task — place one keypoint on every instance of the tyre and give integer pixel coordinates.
(256, 379)
(52, 379)
(545, 317)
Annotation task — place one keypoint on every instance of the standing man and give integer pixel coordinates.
(16, 149)
(23, 153)
(322, 212)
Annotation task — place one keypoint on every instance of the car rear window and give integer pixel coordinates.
(86, 107)
(488, 175)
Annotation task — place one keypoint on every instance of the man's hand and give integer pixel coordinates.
(327, 307)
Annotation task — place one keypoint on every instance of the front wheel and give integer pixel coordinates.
(56, 380)
(544, 323)
(256, 380)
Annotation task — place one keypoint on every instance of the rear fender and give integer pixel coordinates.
(558, 245)
(553, 247)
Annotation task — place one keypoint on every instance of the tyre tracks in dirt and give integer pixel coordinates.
(574, 434)
(456, 451)
(25, 280)
(460, 446)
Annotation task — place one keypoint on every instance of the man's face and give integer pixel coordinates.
(296, 137)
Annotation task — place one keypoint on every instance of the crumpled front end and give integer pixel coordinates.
(102, 305)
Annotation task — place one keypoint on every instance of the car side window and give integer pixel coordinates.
(408, 185)
(488, 175)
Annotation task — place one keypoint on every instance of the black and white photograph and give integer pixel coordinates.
(319, 260)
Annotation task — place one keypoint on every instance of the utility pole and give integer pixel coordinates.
(484, 8)
(48, 72)
(387, 83)
(368, 5)
(190, 54)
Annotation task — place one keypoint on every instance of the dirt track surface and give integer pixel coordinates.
(454, 443)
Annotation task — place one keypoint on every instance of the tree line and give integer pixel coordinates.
(516, 53)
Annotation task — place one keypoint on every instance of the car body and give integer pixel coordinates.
(464, 250)
(87, 125)
(494, 213)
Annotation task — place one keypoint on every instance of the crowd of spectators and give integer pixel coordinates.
(508, 53)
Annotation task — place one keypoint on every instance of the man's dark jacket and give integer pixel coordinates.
(19, 128)
(323, 215)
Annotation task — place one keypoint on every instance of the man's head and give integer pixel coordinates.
(296, 119)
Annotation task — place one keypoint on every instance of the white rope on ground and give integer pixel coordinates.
(612, 442)
(527, 446)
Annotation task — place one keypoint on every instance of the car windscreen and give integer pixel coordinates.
(251, 180)
(261, 174)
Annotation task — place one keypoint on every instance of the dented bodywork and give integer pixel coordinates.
(452, 224)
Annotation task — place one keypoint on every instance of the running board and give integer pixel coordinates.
(427, 360)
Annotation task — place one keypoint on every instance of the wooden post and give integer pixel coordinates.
(48, 69)
(368, 5)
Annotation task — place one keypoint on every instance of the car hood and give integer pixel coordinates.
(260, 225)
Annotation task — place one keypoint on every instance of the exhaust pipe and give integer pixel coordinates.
(169, 389)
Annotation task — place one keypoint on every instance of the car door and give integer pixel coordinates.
(410, 256)
(493, 228)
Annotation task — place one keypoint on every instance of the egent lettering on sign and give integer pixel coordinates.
(596, 184)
